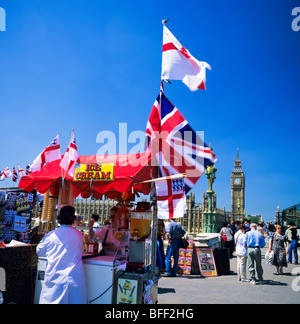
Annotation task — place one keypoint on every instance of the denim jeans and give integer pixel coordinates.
(172, 250)
(293, 246)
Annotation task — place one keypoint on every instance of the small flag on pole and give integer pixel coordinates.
(21, 172)
(28, 169)
(70, 158)
(50, 154)
(7, 173)
(14, 175)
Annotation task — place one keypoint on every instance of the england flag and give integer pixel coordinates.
(21, 172)
(50, 154)
(171, 199)
(70, 158)
(7, 173)
(179, 64)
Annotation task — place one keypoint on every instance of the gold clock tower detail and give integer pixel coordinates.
(237, 190)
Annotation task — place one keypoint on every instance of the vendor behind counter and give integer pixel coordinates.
(113, 239)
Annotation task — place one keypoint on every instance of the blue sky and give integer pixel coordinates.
(90, 65)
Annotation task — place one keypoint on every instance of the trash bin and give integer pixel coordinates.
(221, 256)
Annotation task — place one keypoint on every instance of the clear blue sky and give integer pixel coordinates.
(90, 65)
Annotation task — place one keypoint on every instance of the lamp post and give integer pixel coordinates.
(238, 205)
(209, 214)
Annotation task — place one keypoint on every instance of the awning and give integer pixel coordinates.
(129, 170)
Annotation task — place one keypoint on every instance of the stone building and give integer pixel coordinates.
(88, 207)
(237, 190)
(193, 221)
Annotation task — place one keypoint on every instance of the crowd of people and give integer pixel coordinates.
(247, 240)
(63, 247)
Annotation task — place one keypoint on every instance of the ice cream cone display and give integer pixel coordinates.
(66, 195)
(51, 213)
(48, 213)
(43, 226)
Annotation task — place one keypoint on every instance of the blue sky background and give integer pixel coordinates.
(90, 65)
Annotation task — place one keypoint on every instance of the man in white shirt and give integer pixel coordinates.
(64, 281)
(94, 222)
(241, 253)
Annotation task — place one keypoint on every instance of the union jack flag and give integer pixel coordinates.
(14, 175)
(174, 146)
(28, 169)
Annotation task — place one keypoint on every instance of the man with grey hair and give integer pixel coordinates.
(254, 241)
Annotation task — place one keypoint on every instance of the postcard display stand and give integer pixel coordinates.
(13, 226)
(185, 259)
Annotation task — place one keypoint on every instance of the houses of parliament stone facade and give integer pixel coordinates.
(193, 220)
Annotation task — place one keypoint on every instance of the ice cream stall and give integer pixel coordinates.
(119, 258)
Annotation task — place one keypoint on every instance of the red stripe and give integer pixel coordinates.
(73, 146)
(70, 165)
(170, 200)
(52, 148)
(43, 158)
(169, 46)
(178, 196)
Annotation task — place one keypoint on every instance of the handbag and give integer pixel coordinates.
(224, 238)
(183, 243)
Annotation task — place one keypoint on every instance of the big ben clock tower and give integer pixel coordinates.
(237, 190)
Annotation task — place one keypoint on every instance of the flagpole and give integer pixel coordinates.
(172, 177)
(62, 174)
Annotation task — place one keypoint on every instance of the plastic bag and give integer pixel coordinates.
(269, 258)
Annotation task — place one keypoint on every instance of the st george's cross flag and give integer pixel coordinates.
(70, 158)
(171, 199)
(21, 172)
(51, 153)
(174, 146)
(179, 64)
(6, 173)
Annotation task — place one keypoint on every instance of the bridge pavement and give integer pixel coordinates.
(277, 289)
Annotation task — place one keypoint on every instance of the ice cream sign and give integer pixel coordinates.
(94, 171)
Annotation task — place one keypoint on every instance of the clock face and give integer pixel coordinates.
(237, 181)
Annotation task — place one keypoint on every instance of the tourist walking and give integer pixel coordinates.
(254, 241)
(247, 225)
(228, 243)
(241, 253)
(278, 244)
(293, 238)
(271, 229)
(174, 232)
